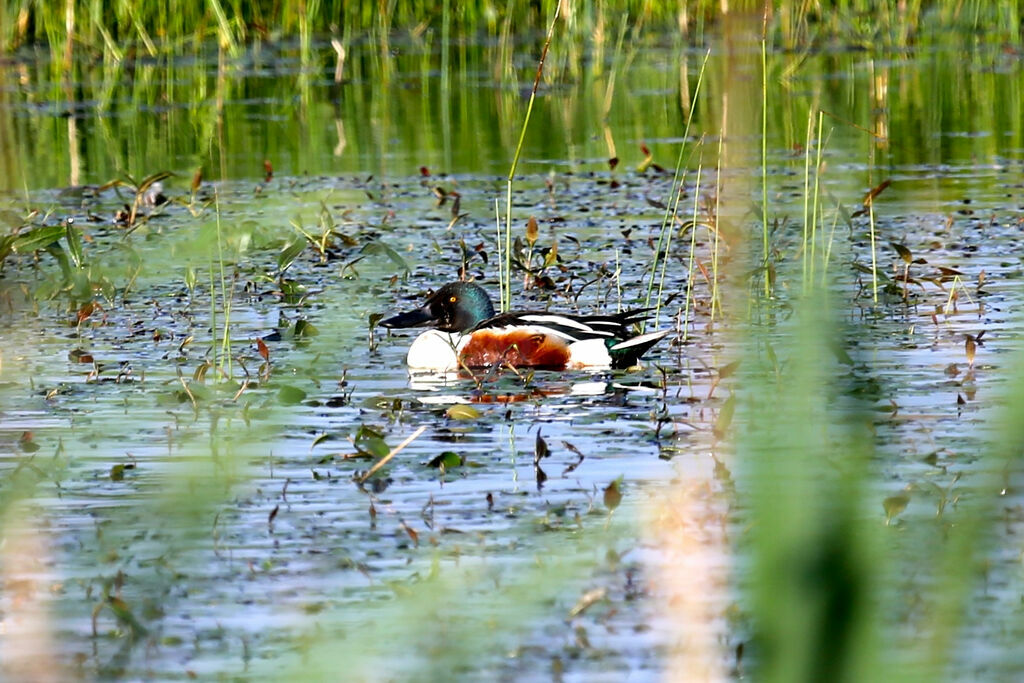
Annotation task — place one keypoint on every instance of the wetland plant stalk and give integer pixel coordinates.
(807, 249)
(674, 206)
(828, 247)
(677, 182)
(874, 256)
(506, 300)
(816, 206)
(764, 163)
(446, 45)
(225, 344)
(693, 250)
(503, 304)
(715, 303)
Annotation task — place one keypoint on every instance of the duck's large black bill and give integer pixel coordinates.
(416, 318)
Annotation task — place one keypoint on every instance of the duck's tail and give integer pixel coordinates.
(626, 353)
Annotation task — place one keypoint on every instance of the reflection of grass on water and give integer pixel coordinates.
(814, 572)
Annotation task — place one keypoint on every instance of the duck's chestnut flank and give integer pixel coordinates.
(518, 348)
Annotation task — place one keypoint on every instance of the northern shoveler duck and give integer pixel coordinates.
(467, 334)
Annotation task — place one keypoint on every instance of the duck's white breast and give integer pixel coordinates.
(435, 351)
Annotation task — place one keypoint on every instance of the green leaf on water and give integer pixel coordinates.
(894, 505)
(304, 328)
(191, 279)
(292, 290)
(37, 238)
(447, 460)
(11, 218)
(124, 616)
(117, 473)
(74, 240)
(148, 181)
(370, 442)
(289, 395)
(6, 244)
(290, 252)
(551, 257)
(462, 411)
(378, 247)
(729, 369)
(725, 417)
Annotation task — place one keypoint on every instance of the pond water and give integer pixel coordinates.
(181, 499)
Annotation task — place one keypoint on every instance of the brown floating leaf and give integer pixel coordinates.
(970, 346)
(27, 443)
(576, 464)
(612, 495)
(264, 351)
(85, 311)
(411, 533)
(273, 514)
(540, 475)
(197, 179)
(268, 168)
(875, 191)
(532, 231)
(424, 171)
(613, 162)
(903, 252)
(540, 449)
(80, 356)
(648, 159)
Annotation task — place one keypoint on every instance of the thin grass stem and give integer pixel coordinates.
(806, 249)
(693, 251)
(874, 256)
(716, 304)
(817, 188)
(225, 345)
(677, 182)
(506, 300)
(764, 163)
(501, 267)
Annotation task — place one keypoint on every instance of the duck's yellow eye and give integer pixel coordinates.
(453, 299)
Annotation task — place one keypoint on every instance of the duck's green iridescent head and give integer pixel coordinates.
(456, 307)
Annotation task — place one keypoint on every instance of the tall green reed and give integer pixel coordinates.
(505, 279)
(668, 218)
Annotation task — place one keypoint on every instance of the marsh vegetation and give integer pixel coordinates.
(214, 463)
